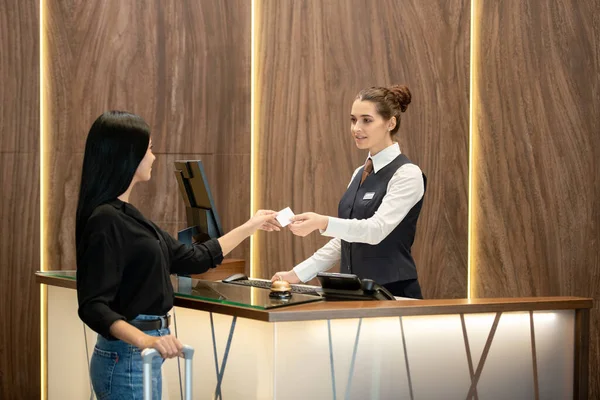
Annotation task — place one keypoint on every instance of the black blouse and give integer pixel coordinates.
(124, 262)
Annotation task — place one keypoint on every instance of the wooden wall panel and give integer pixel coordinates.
(537, 218)
(19, 72)
(313, 58)
(19, 260)
(183, 66)
(19, 207)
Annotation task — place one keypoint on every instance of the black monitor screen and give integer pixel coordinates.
(202, 218)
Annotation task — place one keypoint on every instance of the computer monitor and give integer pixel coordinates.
(202, 218)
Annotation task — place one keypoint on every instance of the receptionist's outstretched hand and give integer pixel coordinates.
(288, 276)
(303, 224)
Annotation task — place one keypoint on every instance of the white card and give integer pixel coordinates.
(368, 196)
(284, 216)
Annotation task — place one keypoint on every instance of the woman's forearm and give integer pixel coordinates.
(129, 334)
(230, 240)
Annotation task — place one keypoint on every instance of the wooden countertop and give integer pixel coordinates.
(368, 309)
(373, 309)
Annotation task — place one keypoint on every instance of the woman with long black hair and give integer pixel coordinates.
(124, 260)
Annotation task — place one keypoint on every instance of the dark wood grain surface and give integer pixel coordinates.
(19, 204)
(19, 71)
(368, 309)
(313, 58)
(382, 309)
(537, 199)
(19, 259)
(184, 67)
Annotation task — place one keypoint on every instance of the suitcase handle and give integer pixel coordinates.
(148, 355)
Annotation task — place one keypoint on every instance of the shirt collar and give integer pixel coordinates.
(127, 208)
(116, 203)
(385, 156)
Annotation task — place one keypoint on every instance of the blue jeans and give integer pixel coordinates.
(116, 368)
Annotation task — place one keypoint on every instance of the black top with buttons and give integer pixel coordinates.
(123, 265)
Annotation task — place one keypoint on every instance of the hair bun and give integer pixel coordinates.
(402, 95)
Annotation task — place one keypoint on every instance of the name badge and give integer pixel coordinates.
(368, 196)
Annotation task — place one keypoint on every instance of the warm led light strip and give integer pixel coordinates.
(253, 128)
(43, 288)
(473, 59)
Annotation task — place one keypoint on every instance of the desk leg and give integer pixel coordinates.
(331, 360)
(351, 372)
(221, 372)
(352, 362)
(536, 384)
(468, 352)
(484, 355)
(212, 330)
(410, 388)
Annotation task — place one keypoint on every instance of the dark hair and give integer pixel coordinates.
(389, 101)
(115, 146)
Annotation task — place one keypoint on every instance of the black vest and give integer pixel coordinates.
(391, 259)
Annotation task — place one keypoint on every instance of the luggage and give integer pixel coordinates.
(148, 355)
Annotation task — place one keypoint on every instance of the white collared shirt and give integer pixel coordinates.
(404, 190)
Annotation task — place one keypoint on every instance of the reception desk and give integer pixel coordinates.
(517, 348)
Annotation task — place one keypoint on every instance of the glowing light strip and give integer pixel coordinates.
(42, 138)
(43, 288)
(474, 51)
(253, 127)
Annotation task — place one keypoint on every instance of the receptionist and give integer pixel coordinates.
(377, 216)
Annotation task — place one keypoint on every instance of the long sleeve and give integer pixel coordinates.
(99, 273)
(193, 259)
(405, 189)
(320, 261)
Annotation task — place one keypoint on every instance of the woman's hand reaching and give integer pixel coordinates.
(263, 220)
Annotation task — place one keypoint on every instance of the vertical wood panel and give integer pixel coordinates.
(313, 58)
(19, 207)
(19, 72)
(183, 66)
(19, 260)
(537, 220)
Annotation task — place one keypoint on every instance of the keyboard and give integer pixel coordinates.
(298, 289)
